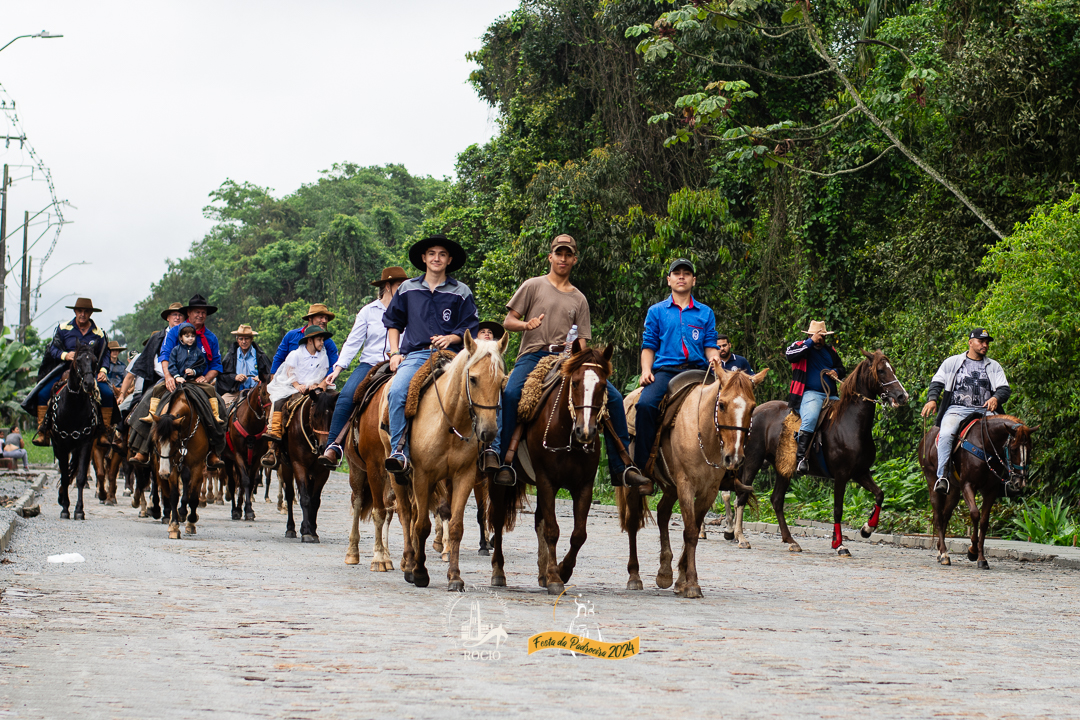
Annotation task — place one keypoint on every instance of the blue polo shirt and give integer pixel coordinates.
(679, 336)
(292, 340)
(737, 362)
(421, 313)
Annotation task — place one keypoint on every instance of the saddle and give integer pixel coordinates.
(428, 373)
(540, 383)
(370, 385)
(678, 390)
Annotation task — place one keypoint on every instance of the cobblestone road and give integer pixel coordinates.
(240, 622)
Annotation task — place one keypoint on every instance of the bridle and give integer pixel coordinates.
(600, 412)
(249, 437)
(473, 406)
(181, 449)
(716, 420)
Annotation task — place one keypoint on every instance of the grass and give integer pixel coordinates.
(38, 455)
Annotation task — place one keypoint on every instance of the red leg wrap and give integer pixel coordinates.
(837, 536)
(872, 522)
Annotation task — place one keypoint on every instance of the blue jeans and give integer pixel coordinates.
(108, 400)
(399, 392)
(344, 406)
(950, 426)
(810, 410)
(648, 412)
(512, 395)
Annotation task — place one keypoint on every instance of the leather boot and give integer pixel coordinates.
(214, 410)
(42, 437)
(106, 420)
(802, 464)
(140, 458)
(331, 457)
(154, 402)
(489, 461)
(273, 434)
(213, 461)
(634, 478)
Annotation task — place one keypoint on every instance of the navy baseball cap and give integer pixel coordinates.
(980, 334)
(681, 262)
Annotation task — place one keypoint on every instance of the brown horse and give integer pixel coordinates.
(442, 528)
(245, 444)
(101, 457)
(303, 442)
(703, 449)
(454, 419)
(181, 444)
(146, 478)
(847, 440)
(372, 491)
(563, 445)
(1000, 452)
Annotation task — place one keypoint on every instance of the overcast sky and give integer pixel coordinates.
(143, 108)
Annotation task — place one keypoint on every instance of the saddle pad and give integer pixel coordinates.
(379, 369)
(428, 373)
(543, 378)
(370, 386)
(630, 406)
(787, 448)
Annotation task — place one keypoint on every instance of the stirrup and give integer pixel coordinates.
(324, 459)
(505, 476)
(942, 485)
(269, 459)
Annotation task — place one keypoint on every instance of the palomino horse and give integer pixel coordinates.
(372, 493)
(848, 442)
(1004, 443)
(705, 446)
(563, 444)
(301, 445)
(181, 444)
(245, 444)
(76, 423)
(464, 399)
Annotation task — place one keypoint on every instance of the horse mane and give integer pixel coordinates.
(857, 383)
(573, 363)
(484, 349)
(742, 378)
(324, 403)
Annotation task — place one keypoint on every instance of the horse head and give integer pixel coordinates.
(1017, 449)
(82, 369)
(485, 372)
(881, 380)
(587, 370)
(732, 411)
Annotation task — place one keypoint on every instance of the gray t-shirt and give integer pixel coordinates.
(972, 388)
(560, 309)
(13, 439)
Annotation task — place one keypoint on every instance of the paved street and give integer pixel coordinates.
(240, 622)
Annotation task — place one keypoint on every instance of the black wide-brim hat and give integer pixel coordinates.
(496, 328)
(457, 253)
(198, 301)
(314, 331)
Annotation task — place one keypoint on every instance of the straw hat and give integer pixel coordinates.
(391, 274)
(174, 307)
(244, 330)
(319, 309)
(818, 326)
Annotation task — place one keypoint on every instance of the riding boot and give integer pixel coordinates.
(489, 461)
(213, 461)
(273, 434)
(214, 410)
(331, 458)
(42, 437)
(802, 464)
(633, 478)
(154, 402)
(140, 458)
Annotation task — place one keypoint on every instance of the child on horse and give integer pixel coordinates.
(186, 362)
(430, 312)
(304, 370)
(810, 358)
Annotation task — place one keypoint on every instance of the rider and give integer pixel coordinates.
(729, 360)
(490, 330)
(968, 384)
(808, 358)
(368, 333)
(115, 376)
(680, 335)
(303, 370)
(430, 312)
(146, 366)
(552, 305)
(243, 367)
(67, 338)
(317, 314)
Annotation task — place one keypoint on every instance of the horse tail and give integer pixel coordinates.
(512, 501)
(644, 515)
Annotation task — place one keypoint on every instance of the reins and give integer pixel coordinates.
(94, 395)
(600, 413)
(472, 405)
(716, 418)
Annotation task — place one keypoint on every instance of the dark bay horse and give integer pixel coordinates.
(75, 412)
(848, 442)
(245, 444)
(302, 444)
(1005, 443)
(563, 444)
(181, 445)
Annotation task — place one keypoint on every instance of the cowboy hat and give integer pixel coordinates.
(174, 307)
(244, 330)
(198, 301)
(457, 253)
(83, 304)
(319, 309)
(391, 274)
(113, 345)
(818, 326)
(314, 331)
(496, 328)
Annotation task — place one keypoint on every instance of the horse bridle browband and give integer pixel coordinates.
(472, 406)
(600, 413)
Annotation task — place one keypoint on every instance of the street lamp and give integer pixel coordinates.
(43, 34)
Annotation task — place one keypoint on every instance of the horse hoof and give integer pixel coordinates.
(421, 579)
(691, 592)
(843, 552)
(174, 534)
(202, 503)
(972, 555)
(309, 539)
(142, 513)
(376, 566)
(635, 584)
(110, 501)
(155, 513)
(983, 565)
(127, 493)
(388, 566)
(79, 515)
(729, 536)
(353, 558)
(219, 501)
(498, 581)
(437, 546)
(483, 551)
(236, 515)
(445, 557)
(65, 515)
(408, 577)
(866, 532)
(455, 586)
(663, 581)
(291, 534)
(249, 517)
(944, 560)
(794, 547)
(556, 588)
(189, 529)
(164, 520)
(100, 501)
(744, 545)
(134, 502)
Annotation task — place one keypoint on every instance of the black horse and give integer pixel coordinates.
(75, 417)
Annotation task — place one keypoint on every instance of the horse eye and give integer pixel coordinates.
(722, 405)
(472, 379)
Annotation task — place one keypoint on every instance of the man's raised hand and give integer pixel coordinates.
(535, 322)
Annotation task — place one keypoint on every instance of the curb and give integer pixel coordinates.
(8, 517)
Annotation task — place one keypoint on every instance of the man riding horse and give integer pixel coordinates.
(303, 371)
(809, 358)
(680, 335)
(82, 330)
(318, 315)
(544, 309)
(968, 384)
(146, 367)
(429, 313)
(243, 367)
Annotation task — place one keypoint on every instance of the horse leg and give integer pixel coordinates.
(62, 459)
(687, 585)
(82, 479)
(498, 498)
(866, 481)
(582, 503)
(311, 514)
(633, 520)
(984, 525)
(303, 490)
(280, 493)
(404, 504)
(663, 517)
(839, 488)
(777, 501)
(545, 508)
(155, 496)
(285, 482)
(357, 480)
(246, 488)
(194, 480)
(481, 519)
(455, 531)
(973, 511)
(421, 528)
(97, 459)
(729, 515)
(266, 482)
(170, 495)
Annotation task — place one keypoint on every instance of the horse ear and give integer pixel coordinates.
(1033, 428)
(504, 341)
(470, 343)
(153, 417)
(866, 354)
(759, 376)
(179, 418)
(608, 352)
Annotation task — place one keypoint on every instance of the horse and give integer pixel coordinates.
(848, 446)
(101, 457)
(563, 444)
(466, 397)
(372, 492)
(1004, 443)
(181, 444)
(146, 478)
(442, 527)
(301, 445)
(75, 411)
(245, 444)
(701, 453)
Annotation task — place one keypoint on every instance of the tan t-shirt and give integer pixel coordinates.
(538, 296)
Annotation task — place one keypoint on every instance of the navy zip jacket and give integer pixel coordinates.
(420, 313)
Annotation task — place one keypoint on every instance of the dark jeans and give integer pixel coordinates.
(512, 395)
(648, 412)
(108, 400)
(344, 406)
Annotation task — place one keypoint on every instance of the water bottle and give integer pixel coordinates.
(570, 338)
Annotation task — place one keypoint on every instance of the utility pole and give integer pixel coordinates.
(3, 242)
(24, 296)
